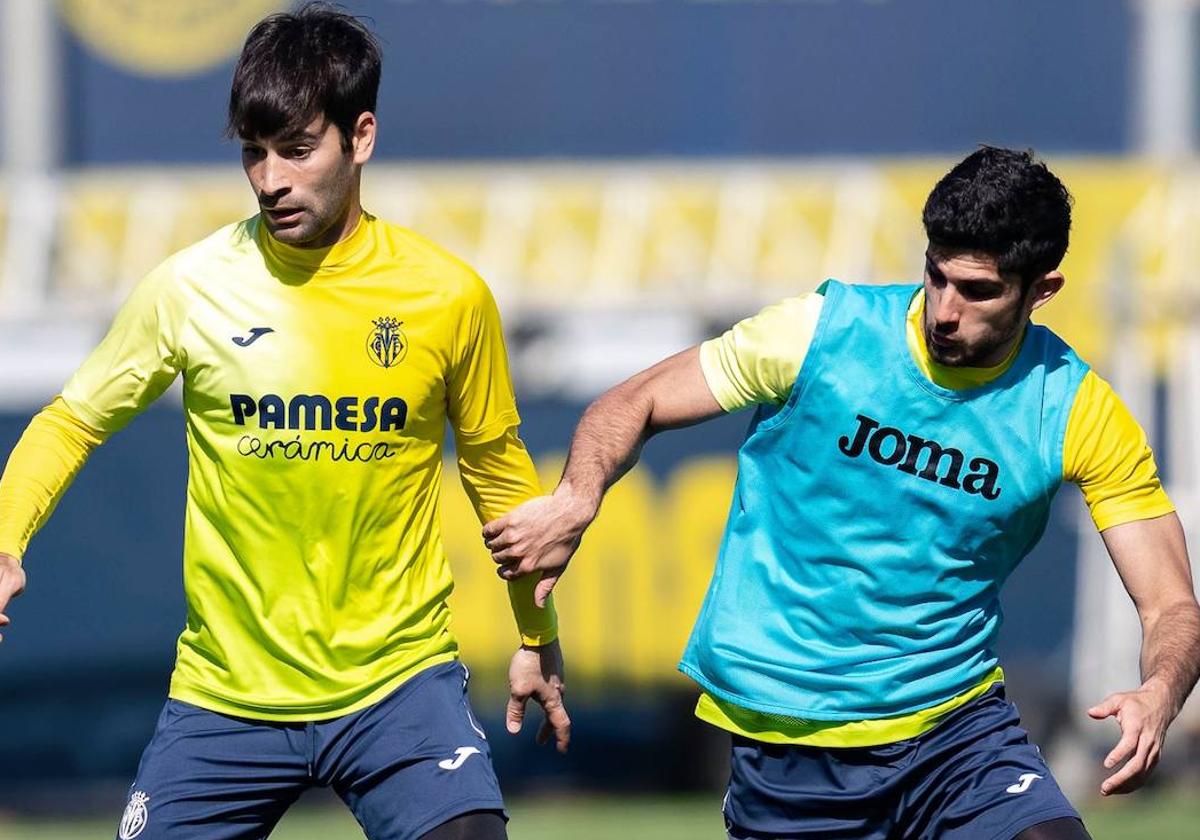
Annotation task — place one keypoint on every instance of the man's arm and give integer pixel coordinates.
(498, 475)
(756, 361)
(544, 533)
(1151, 557)
(39, 470)
(137, 360)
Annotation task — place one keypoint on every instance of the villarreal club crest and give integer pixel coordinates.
(387, 345)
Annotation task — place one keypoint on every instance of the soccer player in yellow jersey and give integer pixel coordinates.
(322, 353)
(906, 447)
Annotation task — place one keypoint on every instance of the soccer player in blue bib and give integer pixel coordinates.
(906, 447)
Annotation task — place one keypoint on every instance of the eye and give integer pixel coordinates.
(298, 152)
(251, 152)
(936, 278)
(980, 291)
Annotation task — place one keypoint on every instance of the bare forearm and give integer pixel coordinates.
(1171, 652)
(607, 443)
(543, 533)
(610, 436)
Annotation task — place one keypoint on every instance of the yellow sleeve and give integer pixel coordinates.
(1105, 452)
(137, 360)
(479, 392)
(498, 475)
(758, 359)
(39, 470)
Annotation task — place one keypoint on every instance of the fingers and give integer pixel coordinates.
(1126, 747)
(4, 622)
(1130, 777)
(495, 528)
(541, 592)
(499, 542)
(514, 714)
(557, 721)
(1107, 707)
(506, 555)
(510, 572)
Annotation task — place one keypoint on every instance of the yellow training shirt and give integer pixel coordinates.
(1105, 453)
(317, 388)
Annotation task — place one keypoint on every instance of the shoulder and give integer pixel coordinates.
(234, 241)
(204, 261)
(429, 262)
(857, 300)
(784, 313)
(1058, 358)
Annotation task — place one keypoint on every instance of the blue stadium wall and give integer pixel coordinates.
(670, 78)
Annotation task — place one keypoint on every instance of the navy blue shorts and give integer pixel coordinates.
(404, 766)
(975, 776)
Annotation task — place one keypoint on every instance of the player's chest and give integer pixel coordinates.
(337, 346)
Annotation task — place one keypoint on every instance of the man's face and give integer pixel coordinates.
(973, 313)
(306, 183)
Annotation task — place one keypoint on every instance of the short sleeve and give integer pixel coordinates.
(1106, 453)
(137, 360)
(479, 392)
(758, 359)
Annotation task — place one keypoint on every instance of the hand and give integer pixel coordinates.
(12, 584)
(539, 535)
(1144, 716)
(537, 672)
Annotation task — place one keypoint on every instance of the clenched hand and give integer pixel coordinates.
(539, 535)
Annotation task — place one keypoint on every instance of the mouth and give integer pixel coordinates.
(942, 343)
(283, 215)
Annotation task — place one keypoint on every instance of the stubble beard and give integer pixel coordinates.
(976, 355)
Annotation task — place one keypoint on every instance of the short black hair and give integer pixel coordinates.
(1005, 203)
(298, 66)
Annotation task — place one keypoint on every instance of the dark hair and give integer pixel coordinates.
(295, 67)
(1004, 203)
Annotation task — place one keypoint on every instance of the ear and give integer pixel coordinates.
(362, 144)
(1044, 288)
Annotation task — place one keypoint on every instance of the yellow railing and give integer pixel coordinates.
(715, 238)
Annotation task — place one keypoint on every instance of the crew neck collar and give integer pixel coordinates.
(319, 261)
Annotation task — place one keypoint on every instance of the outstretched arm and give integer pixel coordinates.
(1151, 557)
(542, 534)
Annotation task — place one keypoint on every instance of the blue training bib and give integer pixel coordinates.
(875, 517)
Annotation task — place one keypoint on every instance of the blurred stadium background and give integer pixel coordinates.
(631, 177)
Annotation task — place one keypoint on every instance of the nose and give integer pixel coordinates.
(946, 310)
(272, 178)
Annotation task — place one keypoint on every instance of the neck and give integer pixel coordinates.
(1002, 352)
(339, 230)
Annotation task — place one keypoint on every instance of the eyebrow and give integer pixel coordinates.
(292, 137)
(937, 273)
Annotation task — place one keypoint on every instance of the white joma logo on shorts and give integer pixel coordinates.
(135, 817)
(460, 755)
(1023, 783)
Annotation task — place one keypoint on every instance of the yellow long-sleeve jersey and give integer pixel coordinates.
(317, 388)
